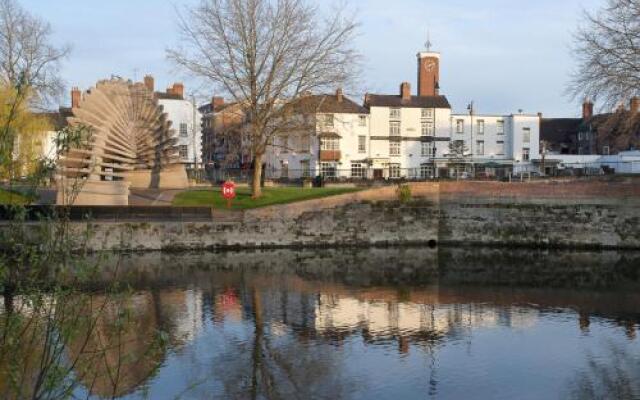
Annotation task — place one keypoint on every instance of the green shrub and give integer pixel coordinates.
(404, 193)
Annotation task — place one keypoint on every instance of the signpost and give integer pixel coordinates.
(229, 192)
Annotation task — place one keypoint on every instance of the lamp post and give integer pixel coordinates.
(470, 108)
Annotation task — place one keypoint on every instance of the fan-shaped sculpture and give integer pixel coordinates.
(131, 144)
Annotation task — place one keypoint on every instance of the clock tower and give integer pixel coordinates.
(428, 73)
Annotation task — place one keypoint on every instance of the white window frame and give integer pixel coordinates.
(606, 150)
(362, 144)
(329, 144)
(526, 135)
(183, 151)
(395, 128)
(358, 170)
(328, 120)
(427, 128)
(500, 148)
(362, 120)
(395, 148)
(526, 154)
(460, 126)
(479, 146)
(328, 170)
(306, 168)
(395, 171)
(184, 129)
(395, 113)
(480, 124)
(500, 127)
(428, 149)
(427, 113)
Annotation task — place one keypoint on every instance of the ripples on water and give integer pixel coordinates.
(383, 323)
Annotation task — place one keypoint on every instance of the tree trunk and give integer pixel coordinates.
(256, 189)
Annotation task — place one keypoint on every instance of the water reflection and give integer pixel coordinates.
(384, 323)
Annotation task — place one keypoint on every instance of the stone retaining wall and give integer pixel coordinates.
(484, 215)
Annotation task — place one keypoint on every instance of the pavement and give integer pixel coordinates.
(152, 197)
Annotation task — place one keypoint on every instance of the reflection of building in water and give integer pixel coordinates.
(183, 313)
(383, 318)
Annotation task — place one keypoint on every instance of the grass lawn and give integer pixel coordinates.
(270, 196)
(8, 197)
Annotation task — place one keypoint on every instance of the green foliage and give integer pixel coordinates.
(403, 191)
(271, 196)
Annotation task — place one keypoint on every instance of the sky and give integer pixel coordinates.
(505, 55)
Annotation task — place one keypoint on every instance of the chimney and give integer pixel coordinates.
(405, 91)
(178, 90)
(634, 104)
(339, 95)
(217, 102)
(76, 96)
(149, 82)
(587, 110)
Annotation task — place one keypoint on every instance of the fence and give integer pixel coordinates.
(360, 172)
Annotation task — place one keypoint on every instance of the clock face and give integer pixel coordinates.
(429, 66)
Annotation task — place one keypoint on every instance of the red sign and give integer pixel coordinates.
(229, 190)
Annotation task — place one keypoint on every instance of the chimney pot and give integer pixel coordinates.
(177, 89)
(149, 82)
(217, 102)
(76, 96)
(587, 110)
(339, 95)
(405, 91)
(634, 104)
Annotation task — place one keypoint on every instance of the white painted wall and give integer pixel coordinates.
(181, 112)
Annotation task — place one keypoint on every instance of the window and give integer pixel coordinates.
(427, 171)
(183, 151)
(394, 128)
(500, 148)
(526, 135)
(362, 144)
(306, 172)
(357, 170)
(428, 149)
(427, 128)
(328, 170)
(480, 127)
(394, 113)
(427, 113)
(304, 144)
(327, 120)
(500, 127)
(184, 130)
(480, 147)
(460, 126)
(284, 142)
(284, 169)
(362, 120)
(605, 150)
(330, 144)
(394, 171)
(525, 154)
(394, 148)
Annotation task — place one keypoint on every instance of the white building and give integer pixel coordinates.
(185, 120)
(334, 141)
(405, 136)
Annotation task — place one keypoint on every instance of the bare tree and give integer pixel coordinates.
(29, 67)
(266, 53)
(26, 55)
(607, 48)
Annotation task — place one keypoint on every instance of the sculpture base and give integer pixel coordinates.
(92, 193)
(171, 177)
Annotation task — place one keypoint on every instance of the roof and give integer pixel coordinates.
(168, 96)
(559, 130)
(386, 100)
(325, 103)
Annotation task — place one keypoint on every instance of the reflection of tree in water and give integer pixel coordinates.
(276, 361)
(616, 376)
